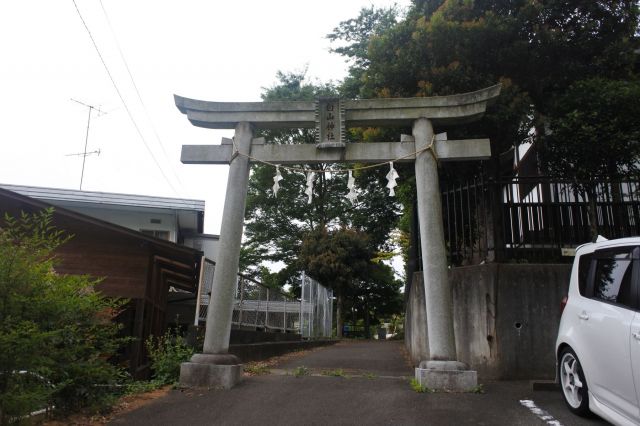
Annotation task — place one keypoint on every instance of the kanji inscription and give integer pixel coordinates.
(329, 121)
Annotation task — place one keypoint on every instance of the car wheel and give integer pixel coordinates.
(573, 382)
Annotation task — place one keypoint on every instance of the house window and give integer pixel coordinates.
(163, 235)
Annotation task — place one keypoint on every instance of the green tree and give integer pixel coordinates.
(276, 227)
(338, 259)
(56, 331)
(377, 296)
(536, 49)
(594, 135)
(354, 36)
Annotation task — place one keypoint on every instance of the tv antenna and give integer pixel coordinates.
(84, 153)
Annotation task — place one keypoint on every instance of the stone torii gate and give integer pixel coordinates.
(216, 367)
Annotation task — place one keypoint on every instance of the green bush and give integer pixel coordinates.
(417, 387)
(167, 352)
(56, 331)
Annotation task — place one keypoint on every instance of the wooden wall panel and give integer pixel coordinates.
(123, 267)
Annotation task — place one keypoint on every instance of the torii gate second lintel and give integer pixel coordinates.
(330, 117)
(373, 152)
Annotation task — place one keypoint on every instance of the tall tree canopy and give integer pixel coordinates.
(537, 48)
(342, 260)
(595, 131)
(540, 50)
(594, 136)
(276, 227)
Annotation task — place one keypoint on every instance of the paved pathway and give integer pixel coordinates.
(359, 357)
(376, 392)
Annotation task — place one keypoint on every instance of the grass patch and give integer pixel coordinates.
(417, 387)
(477, 389)
(301, 371)
(339, 372)
(370, 376)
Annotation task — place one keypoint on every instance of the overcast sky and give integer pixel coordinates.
(210, 50)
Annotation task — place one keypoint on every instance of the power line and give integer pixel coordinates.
(115, 86)
(135, 86)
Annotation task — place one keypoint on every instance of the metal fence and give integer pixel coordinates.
(467, 224)
(532, 219)
(207, 268)
(257, 307)
(316, 308)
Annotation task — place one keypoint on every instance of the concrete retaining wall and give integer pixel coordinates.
(261, 351)
(506, 318)
(416, 321)
(250, 336)
(250, 345)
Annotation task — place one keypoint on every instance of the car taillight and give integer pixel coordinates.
(563, 303)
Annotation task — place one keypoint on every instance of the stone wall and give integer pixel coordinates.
(506, 318)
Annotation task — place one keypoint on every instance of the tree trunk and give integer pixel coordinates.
(339, 315)
(367, 320)
(591, 212)
(619, 221)
(617, 206)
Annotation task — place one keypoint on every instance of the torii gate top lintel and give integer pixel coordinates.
(441, 110)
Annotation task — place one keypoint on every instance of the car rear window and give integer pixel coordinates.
(613, 279)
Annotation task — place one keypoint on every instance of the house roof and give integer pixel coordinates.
(92, 197)
(189, 213)
(7, 195)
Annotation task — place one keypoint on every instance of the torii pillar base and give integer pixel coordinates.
(450, 376)
(211, 371)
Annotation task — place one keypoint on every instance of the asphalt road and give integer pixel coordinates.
(353, 383)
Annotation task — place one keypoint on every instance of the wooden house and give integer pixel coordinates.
(132, 264)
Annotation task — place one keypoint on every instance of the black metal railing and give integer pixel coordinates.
(533, 219)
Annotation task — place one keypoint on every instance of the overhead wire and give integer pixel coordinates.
(126, 107)
(135, 86)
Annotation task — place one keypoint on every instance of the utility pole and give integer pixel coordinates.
(84, 153)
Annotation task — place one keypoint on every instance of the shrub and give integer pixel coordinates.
(167, 352)
(417, 387)
(301, 371)
(56, 333)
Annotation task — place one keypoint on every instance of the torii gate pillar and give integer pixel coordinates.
(434, 258)
(216, 367)
(441, 371)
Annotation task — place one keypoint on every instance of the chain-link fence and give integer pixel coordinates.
(257, 307)
(207, 269)
(316, 307)
(261, 308)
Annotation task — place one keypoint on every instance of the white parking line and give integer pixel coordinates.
(543, 415)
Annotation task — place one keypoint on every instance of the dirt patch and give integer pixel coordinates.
(124, 405)
(256, 368)
(132, 402)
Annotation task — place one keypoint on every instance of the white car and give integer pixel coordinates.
(598, 345)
